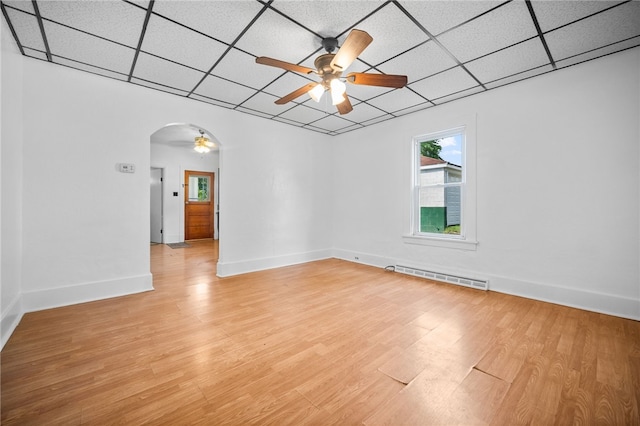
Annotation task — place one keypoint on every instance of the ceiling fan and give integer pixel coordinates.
(330, 67)
(203, 145)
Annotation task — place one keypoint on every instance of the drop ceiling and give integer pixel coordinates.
(206, 50)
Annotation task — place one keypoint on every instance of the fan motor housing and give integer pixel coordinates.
(323, 65)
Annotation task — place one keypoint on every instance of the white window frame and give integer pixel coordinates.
(467, 238)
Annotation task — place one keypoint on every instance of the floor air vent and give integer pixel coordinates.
(453, 279)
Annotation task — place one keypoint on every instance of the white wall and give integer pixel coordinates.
(11, 184)
(175, 160)
(276, 196)
(557, 188)
(85, 226)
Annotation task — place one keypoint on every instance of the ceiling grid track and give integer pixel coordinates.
(42, 32)
(540, 35)
(206, 51)
(141, 39)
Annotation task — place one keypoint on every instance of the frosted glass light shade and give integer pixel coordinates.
(316, 92)
(337, 91)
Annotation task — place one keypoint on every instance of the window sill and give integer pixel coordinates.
(453, 243)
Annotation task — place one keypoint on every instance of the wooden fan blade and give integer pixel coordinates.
(383, 80)
(344, 107)
(354, 45)
(301, 91)
(263, 60)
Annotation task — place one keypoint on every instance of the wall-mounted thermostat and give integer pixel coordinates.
(127, 167)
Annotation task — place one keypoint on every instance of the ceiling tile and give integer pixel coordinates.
(502, 27)
(572, 60)
(168, 40)
(332, 123)
(89, 68)
(396, 100)
(265, 103)
(117, 21)
(302, 114)
(392, 31)
(363, 93)
(242, 68)
(141, 3)
(85, 48)
(223, 20)
(552, 14)
(443, 84)
(27, 29)
(607, 27)
(520, 76)
(23, 5)
(519, 58)
(420, 62)
(224, 90)
(287, 84)
(325, 105)
(277, 37)
(363, 112)
(166, 73)
(335, 20)
(439, 16)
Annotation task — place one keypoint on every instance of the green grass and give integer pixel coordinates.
(455, 229)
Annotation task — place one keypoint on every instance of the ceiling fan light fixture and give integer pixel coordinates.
(330, 66)
(338, 87)
(338, 90)
(316, 92)
(337, 99)
(201, 149)
(202, 144)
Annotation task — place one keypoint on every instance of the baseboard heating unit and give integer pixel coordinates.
(447, 278)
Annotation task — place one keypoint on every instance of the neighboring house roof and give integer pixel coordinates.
(428, 161)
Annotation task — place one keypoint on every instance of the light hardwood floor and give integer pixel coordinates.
(329, 342)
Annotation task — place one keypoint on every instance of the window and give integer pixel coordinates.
(439, 182)
(198, 188)
(443, 197)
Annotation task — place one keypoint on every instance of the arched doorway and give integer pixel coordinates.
(172, 154)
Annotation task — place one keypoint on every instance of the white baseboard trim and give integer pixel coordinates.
(364, 258)
(228, 269)
(10, 319)
(603, 303)
(85, 292)
(609, 304)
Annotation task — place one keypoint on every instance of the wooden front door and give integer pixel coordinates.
(198, 205)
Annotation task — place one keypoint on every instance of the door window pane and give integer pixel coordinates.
(199, 188)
